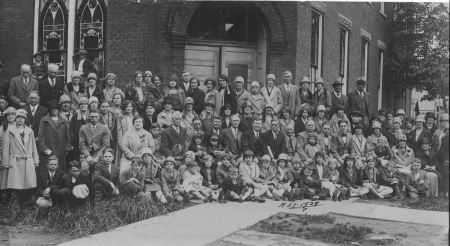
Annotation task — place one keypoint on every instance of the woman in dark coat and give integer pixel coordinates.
(53, 137)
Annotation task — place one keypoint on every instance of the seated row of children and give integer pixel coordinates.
(245, 179)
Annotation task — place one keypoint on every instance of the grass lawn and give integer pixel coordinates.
(56, 225)
(344, 230)
(423, 203)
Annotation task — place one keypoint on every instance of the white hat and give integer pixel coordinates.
(376, 124)
(270, 76)
(321, 108)
(80, 191)
(400, 111)
(239, 79)
(43, 202)
(92, 99)
(255, 83)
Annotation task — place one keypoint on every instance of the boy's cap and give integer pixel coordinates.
(265, 158)
(52, 157)
(80, 191)
(167, 160)
(146, 151)
(283, 156)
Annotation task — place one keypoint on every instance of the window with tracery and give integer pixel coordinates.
(91, 25)
(53, 34)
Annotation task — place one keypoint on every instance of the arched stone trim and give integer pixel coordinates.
(179, 16)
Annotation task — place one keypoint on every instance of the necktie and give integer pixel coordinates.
(53, 82)
(109, 169)
(33, 110)
(51, 175)
(257, 136)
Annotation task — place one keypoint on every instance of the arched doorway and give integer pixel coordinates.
(227, 38)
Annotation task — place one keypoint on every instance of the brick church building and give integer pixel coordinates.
(316, 39)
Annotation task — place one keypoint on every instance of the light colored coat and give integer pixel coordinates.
(22, 158)
(359, 148)
(258, 103)
(275, 97)
(132, 144)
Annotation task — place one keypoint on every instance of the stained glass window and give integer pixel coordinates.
(53, 34)
(91, 20)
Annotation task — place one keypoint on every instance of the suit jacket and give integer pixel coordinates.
(92, 143)
(44, 181)
(292, 100)
(292, 145)
(168, 181)
(411, 182)
(352, 103)
(338, 146)
(249, 142)
(365, 175)
(205, 176)
(386, 177)
(229, 142)
(83, 178)
(34, 121)
(277, 146)
(47, 92)
(411, 139)
(19, 92)
(348, 180)
(169, 138)
(358, 149)
(103, 176)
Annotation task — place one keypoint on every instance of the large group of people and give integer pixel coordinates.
(225, 140)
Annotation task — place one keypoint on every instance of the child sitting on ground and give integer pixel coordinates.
(171, 182)
(417, 183)
(389, 177)
(132, 180)
(371, 178)
(294, 175)
(152, 175)
(192, 183)
(331, 174)
(249, 171)
(209, 174)
(47, 181)
(106, 177)
(74, 187)
(235, 188)
(282, 177)
(188, 157)
(312, 185)
(319, 169)
(223, 170)
(268, 173)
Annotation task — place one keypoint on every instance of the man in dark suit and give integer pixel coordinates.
(51, 87)
(47, 181)
(185, 83)
(35, 112)
(21, 86)
(274, 139)
(359, 100)
(415, 137)
(251, 139)
(216, 130)
(335, 99)
(173, 138)
(106, 177)
(341, 142)
(230, 138)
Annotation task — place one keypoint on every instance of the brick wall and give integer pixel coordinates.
(16, 36)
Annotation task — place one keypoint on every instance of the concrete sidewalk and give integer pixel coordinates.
(205, 223)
